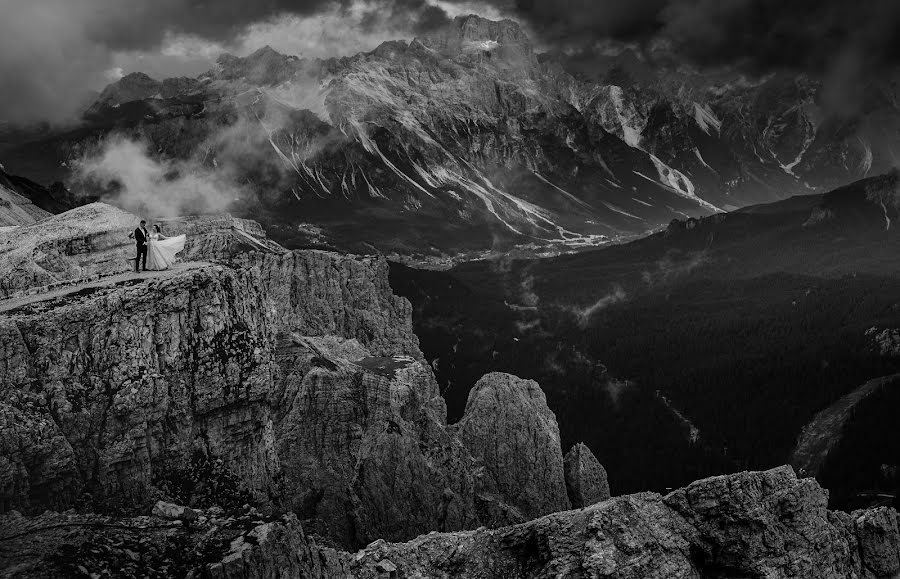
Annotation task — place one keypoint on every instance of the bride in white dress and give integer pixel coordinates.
(161, 250)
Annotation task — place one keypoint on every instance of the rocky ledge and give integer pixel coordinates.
(754, 524)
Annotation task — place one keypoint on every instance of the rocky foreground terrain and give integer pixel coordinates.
(258, 412)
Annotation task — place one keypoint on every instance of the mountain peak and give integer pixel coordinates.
(265, 66)
(475, 28)
(265, 52)
(131, 87)
(473, 34)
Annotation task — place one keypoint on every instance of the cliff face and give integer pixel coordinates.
(295, 377)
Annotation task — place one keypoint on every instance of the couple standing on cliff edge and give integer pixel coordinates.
(155, 251)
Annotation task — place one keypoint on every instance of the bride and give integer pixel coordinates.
(161, 250)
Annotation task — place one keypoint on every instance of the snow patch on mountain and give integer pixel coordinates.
(809, 136)
(480, 45)
(631, 132)
(702, 160)
(706, 118)
(865, 164)
(679, 183)
(620, 211)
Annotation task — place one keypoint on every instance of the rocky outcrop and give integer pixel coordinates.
(757, 524)
(752, 524)
(886, 342)
(777, 526)
(131, 87)
(218, 237)
(87, 241)
(318, 294)
(586, 480)
(242, 543)
(294, 375)
(509, 427)
(93, 241)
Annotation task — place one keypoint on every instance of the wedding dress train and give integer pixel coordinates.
(161, 252)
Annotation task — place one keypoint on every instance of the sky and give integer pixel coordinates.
(53, 53)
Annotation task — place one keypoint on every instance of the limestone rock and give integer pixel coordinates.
(298, 372)
(131, 87)
(218, 237)
(879, 541)
(318, 293)
(89, 240)
(759, 524)
(131, 378)
(767, 524)
(295, 374)
(753, 524)
(93, 240)
(174, 512)
(586, 479)
(508, 426)
(277, 549)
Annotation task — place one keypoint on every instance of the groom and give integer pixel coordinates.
(140, 239)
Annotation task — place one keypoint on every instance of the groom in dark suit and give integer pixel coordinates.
(140, 239)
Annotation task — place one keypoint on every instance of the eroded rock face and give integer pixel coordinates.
(218, 237)
(89, 240)
(319, 295)
(509, 427)
(296, 374)
(113, 385)
(777, 526)
(752, 524)
(586, 479)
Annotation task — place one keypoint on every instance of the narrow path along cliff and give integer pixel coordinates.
(90, 284)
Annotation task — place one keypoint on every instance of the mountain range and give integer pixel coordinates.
(469, 140)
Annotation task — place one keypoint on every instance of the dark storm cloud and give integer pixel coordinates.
(760, 35)
(767, 34)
